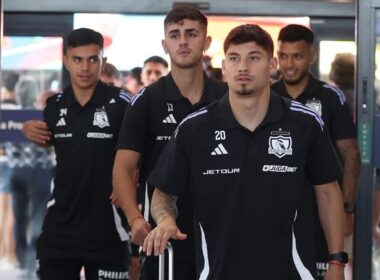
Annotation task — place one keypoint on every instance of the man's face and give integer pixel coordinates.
(294, 60)
(247, 68)
(151, 72)
(84, 64)
(185, 42)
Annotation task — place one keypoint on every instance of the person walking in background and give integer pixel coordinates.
(110, 75)
(154, 68)
(295, 55)
(151, 119)
(82, 228)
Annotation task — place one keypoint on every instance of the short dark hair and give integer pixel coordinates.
(82, 37)
(182, 12)
(295, 32)
(135, 73)
(249, 33)
(157, 59)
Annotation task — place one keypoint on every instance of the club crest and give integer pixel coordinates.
(101, 118)
(280, 145)
(315, 105)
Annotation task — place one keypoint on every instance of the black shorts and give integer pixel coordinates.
(70, 270)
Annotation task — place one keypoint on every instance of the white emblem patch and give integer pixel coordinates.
(101, 118)
(280, 145)
(315, 105)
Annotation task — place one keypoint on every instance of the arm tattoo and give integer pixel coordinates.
(163, 206)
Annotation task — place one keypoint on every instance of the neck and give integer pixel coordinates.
(250, 110)
(190, 82)
(296, 90)
(81, 95)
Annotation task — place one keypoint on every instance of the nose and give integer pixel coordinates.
(243, 66)
(183, 40)
(85, 64)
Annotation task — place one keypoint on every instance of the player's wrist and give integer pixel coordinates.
(135, 219)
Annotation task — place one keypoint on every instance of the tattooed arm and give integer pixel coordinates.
(164, 212)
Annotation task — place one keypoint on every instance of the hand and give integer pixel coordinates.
(157, 239)
(349, 225)
(139, 230)
(37, 132)
(334, 272)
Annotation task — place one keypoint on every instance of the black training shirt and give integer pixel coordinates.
(148, 125)
(246, 186)
(84, 139)
(329, 102)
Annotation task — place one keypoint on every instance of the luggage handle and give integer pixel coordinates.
(161, 263)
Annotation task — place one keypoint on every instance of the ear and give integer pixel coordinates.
(65, 61)
(223, 67)
(207, 43)
(163, 43)
(104, 61)
(313, 56)
(273, 65)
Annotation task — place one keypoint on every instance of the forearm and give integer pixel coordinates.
(331, 214)
(163, 207)
(350, 156)
(124, 186)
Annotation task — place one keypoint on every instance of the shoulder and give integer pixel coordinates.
(304, 114)
(333, 92)
(117, 95)
(55, 99)
(198, 119)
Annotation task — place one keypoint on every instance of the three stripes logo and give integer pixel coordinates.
(219, 150)
(61, 122)
(169, 119)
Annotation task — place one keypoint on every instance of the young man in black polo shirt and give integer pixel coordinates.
(151, 119)
(295, 55)
(244, 161)
(82, 228)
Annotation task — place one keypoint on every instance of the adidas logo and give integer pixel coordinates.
(112, 101)
(169, 119)
(220, 150)
(61, 122)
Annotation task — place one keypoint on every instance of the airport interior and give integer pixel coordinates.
(32, 39)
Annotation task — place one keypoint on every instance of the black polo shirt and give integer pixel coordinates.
(148, 125)
(84, 140)
(329, 102)
(246, 186)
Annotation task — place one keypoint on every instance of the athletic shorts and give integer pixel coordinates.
(70, 270)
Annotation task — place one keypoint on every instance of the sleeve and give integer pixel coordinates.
(172, 170)
(322, 162)
(134, 126)
(49, 112)
(342, 124)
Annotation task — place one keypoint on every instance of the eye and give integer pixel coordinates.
(233, 58)
(192, 34)
(173, 36)
(255, 58)
(77, 59)
(94, 59)
(298, 56)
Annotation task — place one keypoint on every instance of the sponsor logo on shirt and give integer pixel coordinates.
(315, 105)
(63, 135)
(163, 138)
(280, 144)
(279, 168)
(61, 122)
(169, 119)
(223, 171)
(101, 118)
(99, 135)
(219, 150)
(105, 274)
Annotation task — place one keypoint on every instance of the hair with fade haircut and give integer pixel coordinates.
(83, 37)
(181, 12)
(249, 33)
(157, 59)
(295, 32)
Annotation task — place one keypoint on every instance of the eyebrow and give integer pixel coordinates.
(250, 53)
(186, 30)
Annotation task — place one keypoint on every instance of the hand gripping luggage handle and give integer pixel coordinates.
(161, 263)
